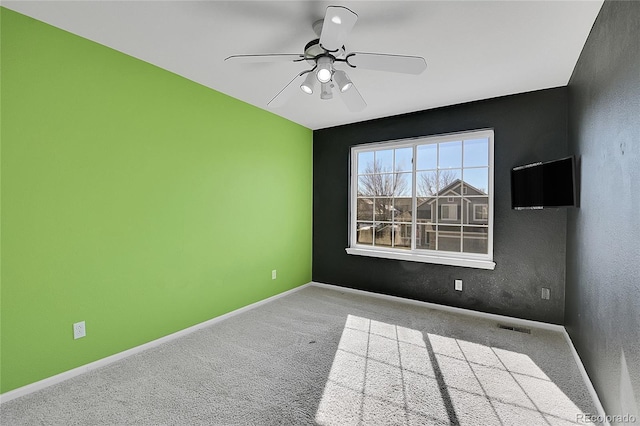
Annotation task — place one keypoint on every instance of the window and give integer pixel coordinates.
(449, 211)
(428, 200)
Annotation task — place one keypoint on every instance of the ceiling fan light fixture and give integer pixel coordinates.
(326, 93)
(324, 75)
(324, 72)
(309, 83)
(342, 80)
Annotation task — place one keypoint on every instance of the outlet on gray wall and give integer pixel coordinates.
(545, 293)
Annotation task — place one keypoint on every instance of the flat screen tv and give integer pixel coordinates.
(543, 185)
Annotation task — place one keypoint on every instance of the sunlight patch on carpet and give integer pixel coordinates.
(387, 374)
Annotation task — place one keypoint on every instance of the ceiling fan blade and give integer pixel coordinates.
(271, 57)
(283, 95)
(352, 99)
(338, 22)
(384, 62)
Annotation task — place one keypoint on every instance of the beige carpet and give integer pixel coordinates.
(327, 357)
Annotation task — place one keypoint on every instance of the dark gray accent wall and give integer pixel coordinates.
(529, 246)
(603, 236)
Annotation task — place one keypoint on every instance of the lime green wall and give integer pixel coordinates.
(135, 200)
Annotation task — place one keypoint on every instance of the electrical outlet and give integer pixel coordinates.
(545, 293)
(458, 285)
(274, 274)
(79, 330)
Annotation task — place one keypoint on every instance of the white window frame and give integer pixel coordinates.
(472, 260)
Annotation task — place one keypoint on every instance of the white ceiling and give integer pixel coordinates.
(474, 50)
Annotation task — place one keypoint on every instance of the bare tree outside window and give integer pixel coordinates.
(379, 181)
(383, 184)
(431, 183)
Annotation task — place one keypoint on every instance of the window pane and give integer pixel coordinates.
(385, 184)
(476, 152)
(365, 209)
(364, 233)
(449, 238)
(383, 233)
(476, 239)
(404, 160)
(402, 209)
(478, 181)
(366, 185)
(427, 157)
(450, 155)
(426, 184)
(449, 179)
(479, 211)
(425, 208)
(465, 210)
(426, 237)
(383, 209)
(365, 162)
(402, 235)
(402, 185)
(384, 161)
(378, 185)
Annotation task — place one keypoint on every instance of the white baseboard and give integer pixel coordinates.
(58, 378)
(587, 381)
(462, 311)
(494, 317)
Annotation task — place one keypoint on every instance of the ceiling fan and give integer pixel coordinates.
(326, 53)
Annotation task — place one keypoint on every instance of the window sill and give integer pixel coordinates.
(425, 258)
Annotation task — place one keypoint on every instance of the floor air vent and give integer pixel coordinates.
(514, 328)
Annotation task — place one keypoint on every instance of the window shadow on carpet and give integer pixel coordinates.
(387, 374)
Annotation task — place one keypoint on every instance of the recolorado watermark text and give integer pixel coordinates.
(614, 418)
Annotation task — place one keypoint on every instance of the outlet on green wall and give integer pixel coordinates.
(134, 200)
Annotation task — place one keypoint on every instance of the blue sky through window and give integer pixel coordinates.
(464, 159)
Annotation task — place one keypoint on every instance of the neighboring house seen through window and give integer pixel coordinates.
(428, 199)
(481, 212)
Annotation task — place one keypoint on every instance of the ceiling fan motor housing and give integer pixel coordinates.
(313, 50)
